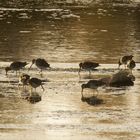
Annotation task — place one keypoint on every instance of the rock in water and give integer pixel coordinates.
(122, 78)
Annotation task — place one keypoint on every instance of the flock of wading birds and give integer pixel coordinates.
(122, 78)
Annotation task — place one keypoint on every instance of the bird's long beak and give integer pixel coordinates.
(82, 92)
(42, 87)
(79, 73)
(30, 67)
(118, 66)
(6, 73)
(49, 67)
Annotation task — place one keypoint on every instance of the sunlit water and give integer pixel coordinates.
(101, 35)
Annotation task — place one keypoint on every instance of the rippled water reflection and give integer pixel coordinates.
(102, 35)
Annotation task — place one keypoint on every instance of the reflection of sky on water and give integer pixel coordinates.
(101, 37)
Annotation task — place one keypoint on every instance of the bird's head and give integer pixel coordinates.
(83, 99)
(25, 63)
(33, 61)
(7, 69)
(49, 65)
(131, 56)
(98, 64)
(83, 86)
(131, 76)
(25, 76)
(80, 65)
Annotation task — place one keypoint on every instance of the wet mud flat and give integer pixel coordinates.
(61, 112)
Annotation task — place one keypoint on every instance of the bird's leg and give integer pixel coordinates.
(125, 66)
(31, 90)
(131, 71)
(97, 92)
(79, 73)
(19, 72)
(18, 86)
(8, 79)
(24, 87)
(16, 72)
(40, 72)
(82, 92)
(89, 73)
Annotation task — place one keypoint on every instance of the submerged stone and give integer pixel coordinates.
(122, 78)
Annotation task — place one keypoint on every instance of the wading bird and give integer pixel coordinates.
(40, 63)
(87, 65)
(124, 60)
(24, 79)
(92, 84)
(35, 82)
(121, 78)
(15, 66)
(131, 64)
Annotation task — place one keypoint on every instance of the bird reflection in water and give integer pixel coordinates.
(87, 65)
(41, 64)
(93, 100)
(34, 98)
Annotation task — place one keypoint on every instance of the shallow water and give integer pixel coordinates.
(101, 35)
